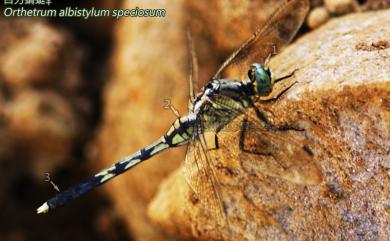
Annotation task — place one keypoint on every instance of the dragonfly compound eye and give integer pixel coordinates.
(261, 79)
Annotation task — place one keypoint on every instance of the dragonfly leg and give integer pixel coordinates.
(276, 97)
(267, 124)
(271, 127)
(286, 76)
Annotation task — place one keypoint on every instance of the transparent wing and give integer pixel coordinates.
(277, 152)
(193, 67)
(201, 177)
(276, 32)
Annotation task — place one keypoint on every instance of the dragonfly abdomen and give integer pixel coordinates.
(105, 175)
(181, 131)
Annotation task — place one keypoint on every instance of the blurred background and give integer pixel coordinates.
(76, 95)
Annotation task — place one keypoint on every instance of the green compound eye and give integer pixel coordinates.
(261, 78)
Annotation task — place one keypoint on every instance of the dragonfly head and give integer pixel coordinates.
(261, 78)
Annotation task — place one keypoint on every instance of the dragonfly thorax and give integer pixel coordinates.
(260, 83)
(261, 78)
(219, 88)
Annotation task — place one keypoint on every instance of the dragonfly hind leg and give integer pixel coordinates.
(269, 126)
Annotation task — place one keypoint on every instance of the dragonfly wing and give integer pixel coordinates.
(193, 67)
(275, 152)
(200, 176)
(280, 29)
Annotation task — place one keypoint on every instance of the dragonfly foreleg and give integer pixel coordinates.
(286, 76)
(276, 97)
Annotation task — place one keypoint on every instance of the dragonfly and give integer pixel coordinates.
(222, 99)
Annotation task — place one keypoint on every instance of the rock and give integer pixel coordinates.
(340, 109)
(376, 4)
(45, 124)
(36, 55)
(34, 59)
(39, 98)
(45, 99)
(340, 6)
(148, 68)
(41, 123)
(317, 17)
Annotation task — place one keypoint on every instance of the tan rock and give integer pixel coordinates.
(36, 54)
(45, 123)
(340, 6)
(33, 59)
(341, 101)
(40, 132)
(42, 124)
(376, 4)
(148, 68)
(317, 17)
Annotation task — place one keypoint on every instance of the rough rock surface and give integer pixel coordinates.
(146, 70)
(38, 124)
(45, 101)
(341, 103)
(38, 97)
